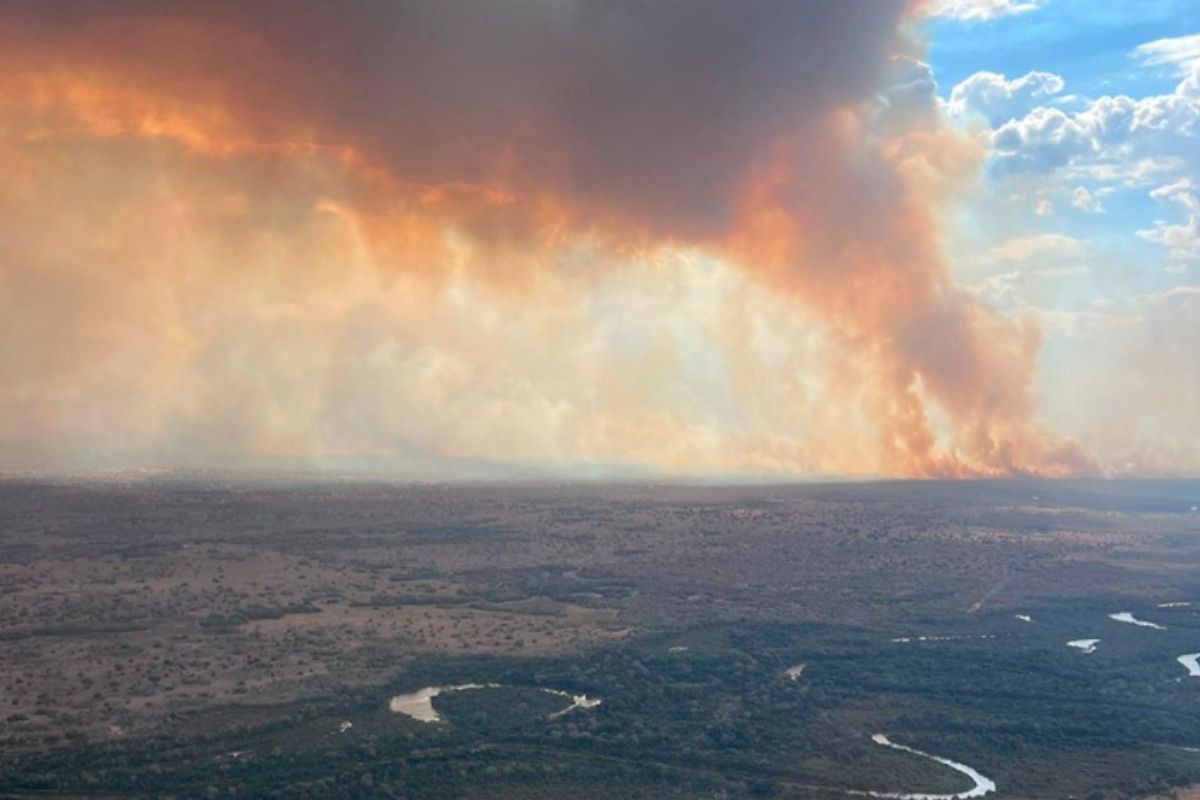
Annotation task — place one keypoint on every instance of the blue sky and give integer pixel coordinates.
(1087, 42)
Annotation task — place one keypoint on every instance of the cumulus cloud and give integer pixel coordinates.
(1111, 137)
(979, 10)
(1182, 241)
(997, 100)
(1110, 130)
(1086, 201)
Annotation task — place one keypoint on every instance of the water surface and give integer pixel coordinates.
(419, 704)
(1130, 619)
(983, 784)
(1191, 662)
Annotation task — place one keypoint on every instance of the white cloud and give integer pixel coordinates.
(979, 10)
(1182, 192)
(1110, 130)
(1086, 201)
(1182, 241)
(1190, 86)
(1043, 139)
(1182, 52)
(1137, 172)
(1133, 140)
(997, 99)
(1044, 208)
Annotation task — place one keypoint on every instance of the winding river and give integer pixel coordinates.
(419, 706)
(983, 784)
(577, 701)
(1126, 617)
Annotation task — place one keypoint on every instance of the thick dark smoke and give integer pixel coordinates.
(525, 147)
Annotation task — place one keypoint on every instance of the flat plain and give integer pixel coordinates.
(220, 637)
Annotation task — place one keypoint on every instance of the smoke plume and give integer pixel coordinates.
(698, 237)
